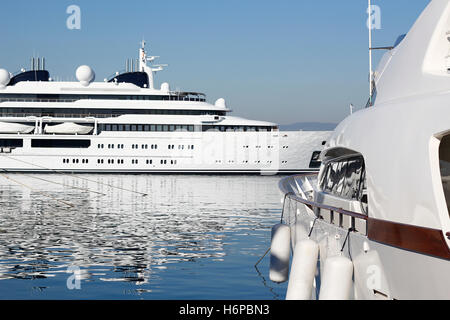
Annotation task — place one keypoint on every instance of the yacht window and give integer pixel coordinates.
(57, 143)
(444, 159)
(315, 160)
(11, 143)
(344, 178)
(353, 178)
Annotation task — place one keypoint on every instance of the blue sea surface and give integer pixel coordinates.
(156, 237)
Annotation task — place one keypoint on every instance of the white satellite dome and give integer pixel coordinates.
(5, 77)
(85, 75)
(221, 103)
(165, 87)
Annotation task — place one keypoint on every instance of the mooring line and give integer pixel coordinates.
(43, 193)
(78, 177)
(62, 184)
(265, 254)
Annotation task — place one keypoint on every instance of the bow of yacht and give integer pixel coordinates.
(374, 223)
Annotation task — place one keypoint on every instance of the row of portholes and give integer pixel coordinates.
(122, 146)
(167, 161)
(121, 161)
(145, 146)
(246, 161)
(76, 161)
(180, 147)
(258, 147)
(110, 146)
(110, 161)
(148, 161)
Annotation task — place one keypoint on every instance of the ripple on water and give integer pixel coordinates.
(185, 225)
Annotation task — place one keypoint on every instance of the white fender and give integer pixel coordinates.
(337, 280)
(280, 251)
(303, 270)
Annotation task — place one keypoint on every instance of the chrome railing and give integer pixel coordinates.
(169, 98)
(58, 115)
(301, 189)
(35, 100)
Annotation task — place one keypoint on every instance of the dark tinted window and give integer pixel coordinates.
(14, 143)
(344, 178)
(56, 143)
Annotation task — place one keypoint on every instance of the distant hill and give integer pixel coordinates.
(309, 126)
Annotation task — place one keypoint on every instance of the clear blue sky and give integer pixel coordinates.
(284, 61)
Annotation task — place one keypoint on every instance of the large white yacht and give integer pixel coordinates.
(125, 124)
(374, 223)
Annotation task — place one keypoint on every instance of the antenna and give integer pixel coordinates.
(369, 11)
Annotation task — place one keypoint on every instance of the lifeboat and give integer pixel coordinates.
(15, 128)
(68, 128)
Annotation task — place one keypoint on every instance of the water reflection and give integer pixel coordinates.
(116, 233)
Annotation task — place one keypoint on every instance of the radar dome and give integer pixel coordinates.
(5, 77)
(85, 75)
(221, 103)
(165, 87)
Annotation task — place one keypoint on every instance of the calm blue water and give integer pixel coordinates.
(98, 237)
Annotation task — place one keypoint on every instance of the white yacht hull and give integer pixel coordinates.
(174, 152)
(380, 271)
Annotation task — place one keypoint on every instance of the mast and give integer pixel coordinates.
(150, 70)
(369, 10)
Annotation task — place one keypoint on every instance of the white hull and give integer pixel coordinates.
(176, 152)
(383, 272)
(380, 271)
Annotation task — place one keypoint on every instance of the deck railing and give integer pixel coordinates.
(413, 238)
(336, 214)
